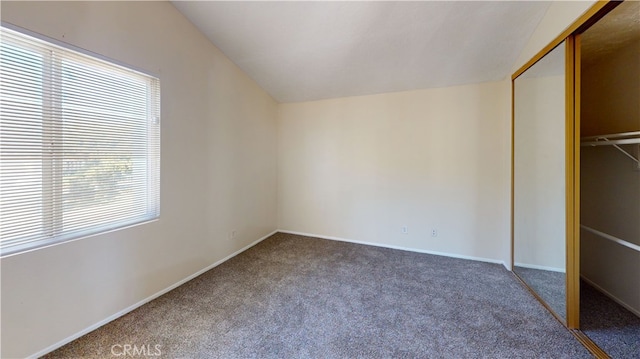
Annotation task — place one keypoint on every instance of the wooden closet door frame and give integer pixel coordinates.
(572, 165)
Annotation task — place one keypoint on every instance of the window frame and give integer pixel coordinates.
(114, 225)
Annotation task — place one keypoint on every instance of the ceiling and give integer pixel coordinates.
(303, 51)
(617, 29)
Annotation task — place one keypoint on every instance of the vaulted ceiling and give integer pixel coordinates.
(302, 51)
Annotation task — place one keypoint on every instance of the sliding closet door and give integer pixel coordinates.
(540, 178)
(546, 180)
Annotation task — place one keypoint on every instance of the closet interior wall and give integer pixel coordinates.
(610, 180)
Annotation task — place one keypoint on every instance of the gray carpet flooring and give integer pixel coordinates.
(300, 297)
(550, 286)
(612, 327)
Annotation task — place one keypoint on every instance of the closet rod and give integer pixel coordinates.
(613, 135)
(614, 139)
(603, 141)
(612, 238)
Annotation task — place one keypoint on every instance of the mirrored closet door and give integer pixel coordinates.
(539, 223)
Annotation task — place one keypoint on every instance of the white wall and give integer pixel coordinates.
(360, 168)
(539, 182)
(218, 173)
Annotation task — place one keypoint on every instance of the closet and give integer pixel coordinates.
(610, 182)
(576, 178)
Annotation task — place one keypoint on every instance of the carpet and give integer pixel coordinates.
(608, 324)
(300, 297)
(550, 286)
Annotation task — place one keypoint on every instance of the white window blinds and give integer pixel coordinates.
(79, 144)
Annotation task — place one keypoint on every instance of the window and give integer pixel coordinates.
(79, 144)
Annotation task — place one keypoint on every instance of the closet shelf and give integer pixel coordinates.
(614, 139)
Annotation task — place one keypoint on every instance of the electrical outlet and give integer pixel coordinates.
(434, 232)
(232, 234)
(405, 230)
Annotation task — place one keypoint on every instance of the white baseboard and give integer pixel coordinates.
(535, 266)
(416, 250)
(144, 301)
(613, 297)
